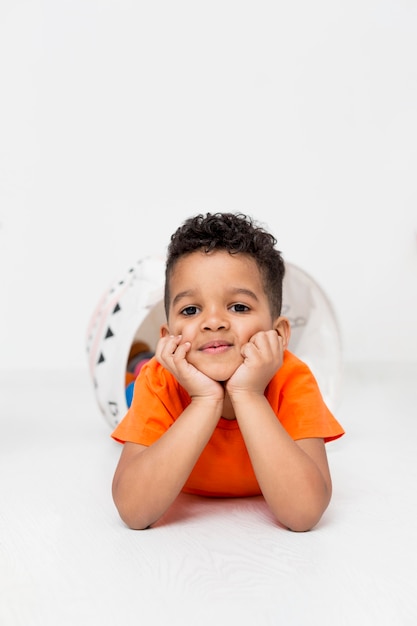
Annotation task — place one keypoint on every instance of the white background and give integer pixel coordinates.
(119, 119)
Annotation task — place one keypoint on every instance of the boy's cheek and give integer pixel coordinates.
(186, 335)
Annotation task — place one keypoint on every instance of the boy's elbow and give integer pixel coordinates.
(306, 518)
(303, 523)
(132, 519)
(135, 524)
(129, 511)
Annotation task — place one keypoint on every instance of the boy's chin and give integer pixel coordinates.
(221, 377)
(222, 381)
(220, 372)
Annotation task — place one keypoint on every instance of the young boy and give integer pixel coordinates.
(224, 409)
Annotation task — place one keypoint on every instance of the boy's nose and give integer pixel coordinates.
(218, 326)
(214, 321)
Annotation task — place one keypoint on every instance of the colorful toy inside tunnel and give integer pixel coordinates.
(124, 330)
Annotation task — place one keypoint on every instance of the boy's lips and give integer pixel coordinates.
(215, 346)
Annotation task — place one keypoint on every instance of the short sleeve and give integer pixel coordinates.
(157, 401)
(295, 397)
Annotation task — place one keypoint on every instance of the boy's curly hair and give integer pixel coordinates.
(235, 233)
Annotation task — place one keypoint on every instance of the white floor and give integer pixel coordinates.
(66, 558)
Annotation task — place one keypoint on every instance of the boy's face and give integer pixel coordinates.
(217, 304)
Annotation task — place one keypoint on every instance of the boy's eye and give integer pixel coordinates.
(239, 308)
(189, 310)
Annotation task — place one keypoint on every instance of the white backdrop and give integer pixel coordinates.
(119, 119)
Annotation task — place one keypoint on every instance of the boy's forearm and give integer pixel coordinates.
(148, 482)
(291, 482)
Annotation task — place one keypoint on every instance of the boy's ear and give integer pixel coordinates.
(283, 328)
(164, 331)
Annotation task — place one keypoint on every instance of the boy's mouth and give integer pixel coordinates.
(215, 347)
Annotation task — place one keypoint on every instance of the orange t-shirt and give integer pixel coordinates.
(224, 468)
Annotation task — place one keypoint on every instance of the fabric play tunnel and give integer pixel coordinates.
(124, 330)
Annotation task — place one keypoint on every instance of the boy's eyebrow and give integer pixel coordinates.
(244, 291)
(233, 291)
(182, 294)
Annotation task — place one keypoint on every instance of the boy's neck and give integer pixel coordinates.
(228, 411)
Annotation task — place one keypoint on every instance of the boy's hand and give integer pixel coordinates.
(262, 357)
(171, 353)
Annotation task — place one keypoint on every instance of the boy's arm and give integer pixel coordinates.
(148, 479)
(293, 475)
